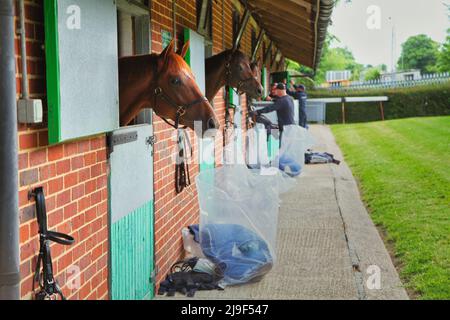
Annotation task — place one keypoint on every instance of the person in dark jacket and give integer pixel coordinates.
(301, 96)
(283, 105)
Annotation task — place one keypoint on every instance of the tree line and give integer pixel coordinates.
(418, 52)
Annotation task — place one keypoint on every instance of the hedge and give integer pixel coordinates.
(430, 100)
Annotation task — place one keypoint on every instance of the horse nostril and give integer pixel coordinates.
(259, 91)
(212, 124)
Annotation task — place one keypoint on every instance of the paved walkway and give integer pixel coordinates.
(327, 242)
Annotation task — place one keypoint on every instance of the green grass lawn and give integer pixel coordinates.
(403, 167)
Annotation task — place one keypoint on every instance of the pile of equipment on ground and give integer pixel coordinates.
(235, 242)
(236, 239)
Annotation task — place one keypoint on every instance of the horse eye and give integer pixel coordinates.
(175, 81)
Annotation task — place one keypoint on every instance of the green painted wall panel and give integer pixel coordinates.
(264, 81)
(132, 255)
(52, 64)
(273, 146)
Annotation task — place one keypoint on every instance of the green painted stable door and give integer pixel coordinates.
(131, 213)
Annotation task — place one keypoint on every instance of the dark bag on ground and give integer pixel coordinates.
(185, 280)
(320, 158)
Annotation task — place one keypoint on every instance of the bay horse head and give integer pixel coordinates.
(165, 83)
(241, 76)
(256, 67)
(232, 68)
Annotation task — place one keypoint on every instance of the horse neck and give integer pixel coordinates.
(141, 68)
(216, 73)
(137, 75)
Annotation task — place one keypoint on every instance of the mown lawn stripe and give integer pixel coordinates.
(403, 167)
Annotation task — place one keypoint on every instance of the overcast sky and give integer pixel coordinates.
(373, 45)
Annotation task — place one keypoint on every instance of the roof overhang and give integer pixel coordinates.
(298, 28)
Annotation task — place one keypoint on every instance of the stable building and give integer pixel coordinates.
(113, 188)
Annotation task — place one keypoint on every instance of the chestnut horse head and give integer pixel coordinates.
(165, 83)
(232, 68)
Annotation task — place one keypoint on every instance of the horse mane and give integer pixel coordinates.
(180, 64)
(176, 62)
(221, 56)
(214, 60)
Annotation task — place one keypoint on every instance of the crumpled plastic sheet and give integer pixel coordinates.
(256, 147)
(295, 142)
(238, 220)
(239, 207)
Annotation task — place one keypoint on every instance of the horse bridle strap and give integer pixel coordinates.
(181, 109)
(49, 287)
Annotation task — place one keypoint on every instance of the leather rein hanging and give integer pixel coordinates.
(49, 288)
(182, 176)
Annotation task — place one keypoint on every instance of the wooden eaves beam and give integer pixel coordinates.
(274, 58)
(282, 33)
(281, 6)
(243, 25)
(268, 51)
(258, 44)
(276, 18)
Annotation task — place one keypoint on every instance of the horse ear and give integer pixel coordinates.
(185, 49)
(168, 50)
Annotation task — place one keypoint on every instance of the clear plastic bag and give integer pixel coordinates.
(191, 247)
(256, 147)
(295, 142)
(238, 221)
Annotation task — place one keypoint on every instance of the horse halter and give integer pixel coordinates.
(181, 109)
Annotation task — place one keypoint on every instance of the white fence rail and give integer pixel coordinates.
(437, 78)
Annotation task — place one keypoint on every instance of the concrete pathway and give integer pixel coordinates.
(328, 247)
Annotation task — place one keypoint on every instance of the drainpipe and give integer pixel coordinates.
(9, 204)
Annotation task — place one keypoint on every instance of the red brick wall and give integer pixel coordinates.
(74, 177)
(173, 212)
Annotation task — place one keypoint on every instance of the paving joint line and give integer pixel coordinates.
(353, 255)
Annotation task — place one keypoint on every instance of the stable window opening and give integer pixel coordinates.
(133, 26)
(134, 37)
(204, 24)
